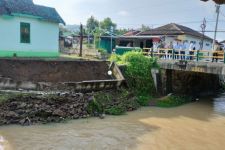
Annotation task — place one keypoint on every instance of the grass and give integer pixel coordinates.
(173, 101)
(6, 96)
(76, 57)
(116, 102)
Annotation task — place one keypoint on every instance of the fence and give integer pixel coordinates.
(192, 55)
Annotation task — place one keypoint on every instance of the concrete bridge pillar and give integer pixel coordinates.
(156, 78)
(162, 81)
(169, 81)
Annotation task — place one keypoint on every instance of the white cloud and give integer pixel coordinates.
(123, 13)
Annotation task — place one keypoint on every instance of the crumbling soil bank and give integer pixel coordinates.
(53, 71)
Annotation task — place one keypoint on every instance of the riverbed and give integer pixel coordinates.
(198, 126)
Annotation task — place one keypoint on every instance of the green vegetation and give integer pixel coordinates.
(113, 102)
(95, 107)
(102, 51)
(116, 58)
(4, 96)
(92, 24)
(144, 100)
(138, 74)
(173, 101)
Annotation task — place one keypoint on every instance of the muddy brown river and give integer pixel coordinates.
(195, 126)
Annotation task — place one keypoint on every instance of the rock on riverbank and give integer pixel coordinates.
(27, 110)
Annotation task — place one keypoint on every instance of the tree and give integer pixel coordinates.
(121, 31)
(107, 23)
(145, 28)
(92, 24)
(216, 1)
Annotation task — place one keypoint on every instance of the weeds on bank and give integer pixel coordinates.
(173, 101)
(138, 74)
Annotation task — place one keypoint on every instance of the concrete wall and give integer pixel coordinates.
(30, 74)
(44, 37)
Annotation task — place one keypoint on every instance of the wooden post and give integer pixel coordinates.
(173, 54)
(224, 57)
(81, 40)
(197, 55)
(152, 52)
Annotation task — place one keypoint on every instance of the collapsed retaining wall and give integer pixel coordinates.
(30, 74)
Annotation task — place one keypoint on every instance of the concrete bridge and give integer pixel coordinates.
(193, 66)
(192, 76)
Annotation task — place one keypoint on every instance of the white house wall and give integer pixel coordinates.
(207, 43)
(43, 37)
(188, 38)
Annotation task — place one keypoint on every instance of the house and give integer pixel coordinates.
(172, 32)
(223, 44)
(66, 40)
(132, 33)
(128, 40)
(28, 30)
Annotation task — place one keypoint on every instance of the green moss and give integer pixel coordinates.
(173, 101)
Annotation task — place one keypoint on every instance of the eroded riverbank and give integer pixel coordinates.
(199, 125)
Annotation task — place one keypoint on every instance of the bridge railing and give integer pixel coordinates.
(192, 55)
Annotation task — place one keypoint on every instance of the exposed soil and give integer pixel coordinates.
(53, 71)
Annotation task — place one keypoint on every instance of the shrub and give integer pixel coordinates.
(138, 73)
(115, 58)
(116, 110)
(94, 107)
(102, 51)
(114, 102)
(144, 100)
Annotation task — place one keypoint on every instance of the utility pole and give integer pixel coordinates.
(203, 26)
(111, 39)
(217, 20)
(81, 40)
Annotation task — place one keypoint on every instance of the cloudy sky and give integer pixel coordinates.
(133, 13)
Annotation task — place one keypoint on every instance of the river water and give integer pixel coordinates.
(195, 126)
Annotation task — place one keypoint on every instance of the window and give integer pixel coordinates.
(24, 32)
